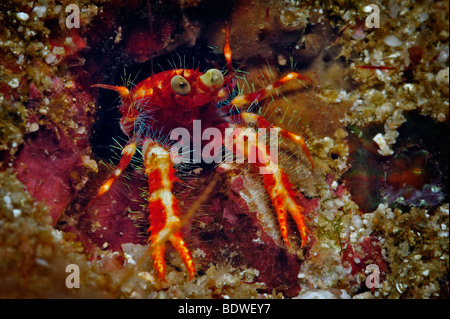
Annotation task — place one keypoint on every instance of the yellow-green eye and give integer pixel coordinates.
(212, 78)
(180, 85)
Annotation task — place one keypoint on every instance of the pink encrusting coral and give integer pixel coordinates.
(50, 167)
(112, 220)
(357, 256)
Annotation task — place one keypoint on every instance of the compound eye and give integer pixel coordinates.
(180, 85)
(212, 78)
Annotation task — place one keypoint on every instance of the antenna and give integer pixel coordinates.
(151, 36)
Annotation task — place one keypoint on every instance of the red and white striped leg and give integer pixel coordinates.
(246, 99)
(127, 154)
(276, 181)
(261, 122)
(164, 211)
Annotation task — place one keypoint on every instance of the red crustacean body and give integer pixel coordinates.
(175, 99)
(168, 109)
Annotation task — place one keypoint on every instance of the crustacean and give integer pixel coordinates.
(175, 99)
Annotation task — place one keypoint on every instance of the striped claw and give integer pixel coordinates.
(164, 212)
(283, 200)
(159, 263)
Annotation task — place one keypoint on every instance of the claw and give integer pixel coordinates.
(164, 212)
(159, 263)
(283, 199)
(158, 249)
(180, 246)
